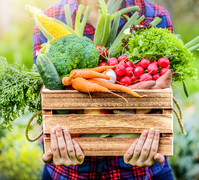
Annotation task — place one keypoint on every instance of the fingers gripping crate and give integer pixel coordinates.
(109, 123)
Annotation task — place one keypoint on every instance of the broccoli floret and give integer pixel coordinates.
(71, 52)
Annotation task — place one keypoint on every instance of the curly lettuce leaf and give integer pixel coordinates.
(160, 42)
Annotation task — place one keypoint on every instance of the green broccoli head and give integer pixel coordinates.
(71, 52)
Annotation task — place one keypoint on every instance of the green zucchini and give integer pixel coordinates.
(48, 73)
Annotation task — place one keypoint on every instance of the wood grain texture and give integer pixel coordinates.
(71, 99)
(108, 123)
(113, 146)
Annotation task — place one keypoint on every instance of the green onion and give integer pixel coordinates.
(118, 41)
(192, 42)
(140, 20)
(68, 16)
(78, 18)
(114, 29)
(156, 21)
(129, 23)
(129, 9)
(99, 30)
(115, 6)
(193, 48)
(85, 19)
(110, 4)
(106, 30)
(103, 7)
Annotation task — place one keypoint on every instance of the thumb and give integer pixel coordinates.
(158, 158)
(47, 157)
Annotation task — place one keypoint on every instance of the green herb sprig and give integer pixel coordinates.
(19, 91)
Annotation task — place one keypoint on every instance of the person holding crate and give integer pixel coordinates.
(66, 160)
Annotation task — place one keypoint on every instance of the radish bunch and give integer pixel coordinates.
(144, 70)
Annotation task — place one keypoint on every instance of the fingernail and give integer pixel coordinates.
(49, 151)
(151, 131)
(145, 132)
(58, 128)
(66, 132)
(157, 156)
(53, 131)
(157, 132)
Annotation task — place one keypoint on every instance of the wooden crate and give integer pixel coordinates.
(109, 123)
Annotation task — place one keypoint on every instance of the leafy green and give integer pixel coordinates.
(160, 42)
(19, 91)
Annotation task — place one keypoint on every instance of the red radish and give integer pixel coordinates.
(118, 78)
(103, 64)
(152, 69)
(145, 63)
(163, 71)
(129, 71)
(130, 64)
(134, 79)
(155, 62)
(168, 66)
(138, 71)
(163, 62)
(125, 81)
(112, 62)
(146, 77)
(103, 51)
(156, 76)
(137, 64)
(123, 63)
(120, 70)
(123, 58)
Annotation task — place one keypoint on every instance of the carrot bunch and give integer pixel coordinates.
(91, 80)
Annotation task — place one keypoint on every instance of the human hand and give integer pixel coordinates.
(65, 152)
(143, 151)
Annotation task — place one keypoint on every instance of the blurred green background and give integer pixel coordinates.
(19, 157)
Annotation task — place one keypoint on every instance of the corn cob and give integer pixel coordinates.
(50, 28)
(55, 29)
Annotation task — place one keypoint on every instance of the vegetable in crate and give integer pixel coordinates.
(72, 52)
(160, 43)
(48, 73)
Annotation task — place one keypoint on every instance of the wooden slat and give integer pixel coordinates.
(109, 123)
(71, 99)
(113, 146)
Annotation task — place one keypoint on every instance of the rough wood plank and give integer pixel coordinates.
(71, 99)
(113, 146)
(108, 123)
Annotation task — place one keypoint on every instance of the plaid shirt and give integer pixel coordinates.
(103, 167)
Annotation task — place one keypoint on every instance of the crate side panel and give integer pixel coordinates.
(114, 146)
(76, 100)
(109, 123)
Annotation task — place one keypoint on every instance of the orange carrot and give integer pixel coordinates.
(87, 74)
(143, 85)
(112, 86)
(96, 69)
(66, 81)
(84, 85)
